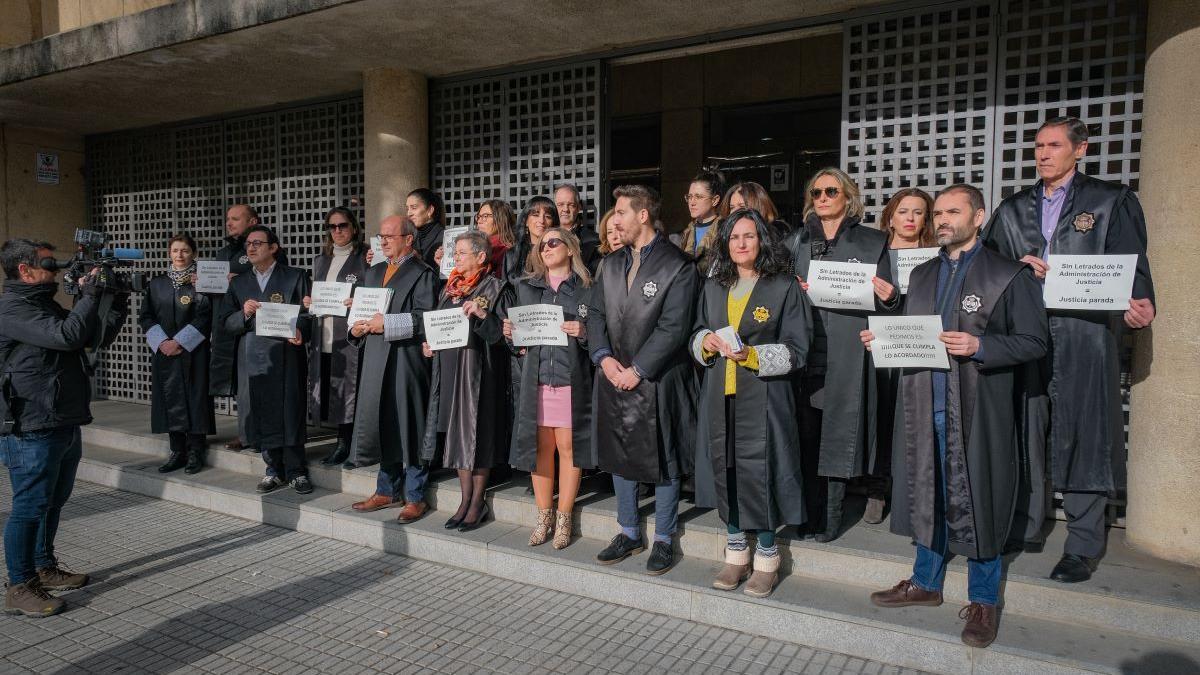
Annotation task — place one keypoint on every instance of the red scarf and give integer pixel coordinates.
(459, 285)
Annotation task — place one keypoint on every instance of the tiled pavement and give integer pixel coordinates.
(179, 589)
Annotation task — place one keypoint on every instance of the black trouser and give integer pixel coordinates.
(182, 441)
(286, 463)
(1085, 523)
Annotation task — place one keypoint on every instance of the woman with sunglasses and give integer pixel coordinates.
(539, 214)
(495, 218)
(333, 364)
(553, 387)
(176, 320)
(837, 392)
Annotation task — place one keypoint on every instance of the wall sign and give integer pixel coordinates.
(47, 168)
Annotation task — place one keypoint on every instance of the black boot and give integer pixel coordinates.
(339, 454)
(178, 453)
(195, 454)
(833, 511)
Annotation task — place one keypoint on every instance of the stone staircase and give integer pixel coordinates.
(1137, 615)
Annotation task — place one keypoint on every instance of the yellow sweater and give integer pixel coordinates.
(735, 307)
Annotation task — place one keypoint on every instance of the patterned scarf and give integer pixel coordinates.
(181, 277)
(459, 285)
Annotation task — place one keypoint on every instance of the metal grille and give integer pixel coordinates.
(514, 136)
(291, 165)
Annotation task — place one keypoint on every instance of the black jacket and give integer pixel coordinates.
(44, 343)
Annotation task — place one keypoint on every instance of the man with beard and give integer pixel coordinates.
(960, 499)
(1074, 415)
(644, 407)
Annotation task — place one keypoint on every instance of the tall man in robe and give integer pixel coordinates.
(644, 404)
(1074, 415)
(393, 384)
(957, 432)
(275, 370)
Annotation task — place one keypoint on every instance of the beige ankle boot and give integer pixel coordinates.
(562, 530)
(735, 571)
(766, 575)
(541, 531)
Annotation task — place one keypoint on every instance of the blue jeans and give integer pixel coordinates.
(41, 466)
(412, 479)
(666, 506)
(929, 569)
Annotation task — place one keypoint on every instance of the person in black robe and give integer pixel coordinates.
(538, 215)
(553, 387)
(957, 432)
(573, 218)
(640, 317)
(748, 447)
(176, 321)
(393, 384)
(333, 361)
(469, 415)
(837, 392)
(1074, 418)
(274, 369)
(428, 214)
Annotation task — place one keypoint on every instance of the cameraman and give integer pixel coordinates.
(46, 390)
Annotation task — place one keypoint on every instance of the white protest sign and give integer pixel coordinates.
(212, 276)
(907, 342)
(907, 259)
(448, 249)
(276, 319)
(841, 285)
(446, 328)
(1097, 282)
(329, 298)
(537, 325)
(377, 254)
(368, 302)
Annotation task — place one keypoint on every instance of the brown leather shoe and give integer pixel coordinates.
(906, 594)
(982, 623)
(235, 444)
(412, 511)
(373, 503)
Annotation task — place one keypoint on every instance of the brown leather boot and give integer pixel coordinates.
(906, 594)
(735, 571)
(31, 599)
(982, 623)
(412, 512)
(373, 503)
(765, 576)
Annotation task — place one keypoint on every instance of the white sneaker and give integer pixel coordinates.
(269, 483)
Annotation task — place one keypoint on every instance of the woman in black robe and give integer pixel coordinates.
(176, 320)
(468, 418)
(538, 215)
(553, 386)
(748, 446)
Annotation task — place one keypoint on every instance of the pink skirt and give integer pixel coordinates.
(554, 406)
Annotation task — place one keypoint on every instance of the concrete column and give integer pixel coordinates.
(1163, 516)
(395, 140)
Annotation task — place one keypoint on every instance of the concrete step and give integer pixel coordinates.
(1130, 592)
(820, 612)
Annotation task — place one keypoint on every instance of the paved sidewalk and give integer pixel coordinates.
(179, 589)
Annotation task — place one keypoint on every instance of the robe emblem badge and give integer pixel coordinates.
(761, 314)
(854, 260)
(277, 297)
(352, 278)
(650, 289)
(185, 300)
(482, 302)
(971, 303)
(244, 259)
(581, 311)
(1084, 222)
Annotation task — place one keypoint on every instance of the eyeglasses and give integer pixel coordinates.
(256, 243)
(338, 226)
(830, 192)
(549, 244)
(696, 198)
(483, 216)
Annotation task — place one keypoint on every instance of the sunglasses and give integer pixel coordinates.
(338, 226)
(830, 192)
(549, 243)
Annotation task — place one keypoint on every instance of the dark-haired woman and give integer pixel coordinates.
(496, 219)
(748, 450)
(176, 319)
(468, 420)
(428, 214)
(699, 238)
(538, 215)
(333, 363)
(751, 195)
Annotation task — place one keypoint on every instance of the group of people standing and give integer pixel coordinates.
(697, 356)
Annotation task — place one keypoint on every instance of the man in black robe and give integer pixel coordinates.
(275, 370)
(1073, 412)
(644, 405)
(569, 204)
(393, 383)
(960, 500)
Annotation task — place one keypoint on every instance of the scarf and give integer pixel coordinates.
(181, 277)
(459, 285)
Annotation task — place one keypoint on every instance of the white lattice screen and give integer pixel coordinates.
(291, 165)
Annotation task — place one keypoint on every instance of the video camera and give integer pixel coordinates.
(91, 253)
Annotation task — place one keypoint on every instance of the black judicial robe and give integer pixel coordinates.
(469, 399)
(589, 245)
(427, 241)
(1075, 395)
(343, 360)
(223, 362)
(179, 399)
(646, 434)
(847, 397)
(983, 425)
(276, 368)
(573, 298)
(766, 461)
(393, 385)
